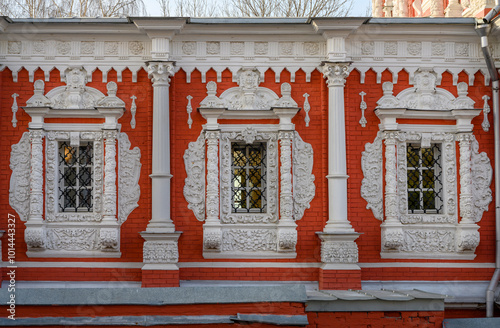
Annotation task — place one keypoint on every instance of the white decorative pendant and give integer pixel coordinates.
(363, 107)
(14, 110)
(307, 108)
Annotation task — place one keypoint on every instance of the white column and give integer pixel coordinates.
(33, 234)
(109, 196)
(336, 74)
(159, 73)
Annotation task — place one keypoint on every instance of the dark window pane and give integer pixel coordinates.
(248, 177)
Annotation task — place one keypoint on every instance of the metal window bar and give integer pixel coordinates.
(248, 177)
(424, 179)
(76, 175)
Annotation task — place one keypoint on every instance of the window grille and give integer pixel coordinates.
(76, 177)
(248, 178)
(424, 174)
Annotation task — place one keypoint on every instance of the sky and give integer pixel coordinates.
(359, 7)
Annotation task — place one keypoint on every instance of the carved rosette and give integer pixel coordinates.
(129, 172)
(391, 195)
(36, 175)
(160, 72)
(194, 184)
(286, 199)
(466, 197)
(335, 73)
(19, 189)
(371, 185)
(109, 239)
(339, 252)
(110, 174)
(212, 138)
(303, 179)
(160, 252)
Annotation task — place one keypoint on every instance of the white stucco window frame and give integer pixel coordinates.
(290, 183)
(34, 165)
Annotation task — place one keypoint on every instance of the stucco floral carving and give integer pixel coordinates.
(371, 185)
(194, 184)
(129, 171)
(20, 164)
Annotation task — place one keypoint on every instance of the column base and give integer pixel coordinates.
(339, 277)
(160, 276)
(160, 257)
(339, 254)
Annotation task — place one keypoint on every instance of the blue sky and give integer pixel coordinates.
(359, 7)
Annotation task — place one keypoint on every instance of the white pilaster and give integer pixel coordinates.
(391, 194)
(336, 74)
(287, 233)
(466, 199)
(33, 234)
(109, 196)
(159, 73)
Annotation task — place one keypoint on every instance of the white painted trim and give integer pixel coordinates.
(74, 284)
(428, 265)
(101, 265)
(294, 265)
(72, 127)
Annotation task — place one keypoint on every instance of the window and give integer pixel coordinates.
(248, 178)
(75, 177)
(425, 191)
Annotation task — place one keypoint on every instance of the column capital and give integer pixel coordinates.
(335, 73)
(160, 71)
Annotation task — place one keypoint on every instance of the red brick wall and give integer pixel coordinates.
(190, 242)
(374, 319)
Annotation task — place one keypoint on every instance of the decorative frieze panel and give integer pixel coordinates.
(248, 240)
(72, 239)
(339, 252)
(161, 252)
(428, 241)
